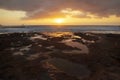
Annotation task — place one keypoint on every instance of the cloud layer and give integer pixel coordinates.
(53, 8)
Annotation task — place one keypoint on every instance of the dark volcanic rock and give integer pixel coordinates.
(44, 58)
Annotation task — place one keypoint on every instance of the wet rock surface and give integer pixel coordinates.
(59, 56)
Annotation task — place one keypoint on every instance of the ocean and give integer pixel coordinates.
(68, 28)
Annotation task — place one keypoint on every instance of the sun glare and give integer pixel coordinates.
(59, 20)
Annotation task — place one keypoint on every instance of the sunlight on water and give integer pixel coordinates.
(57, 34)
(37, 37)
(69, 67)
(68, 38)
(83, 48)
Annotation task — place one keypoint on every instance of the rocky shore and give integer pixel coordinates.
(59, 56)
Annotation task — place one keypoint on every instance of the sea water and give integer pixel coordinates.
(68, 28)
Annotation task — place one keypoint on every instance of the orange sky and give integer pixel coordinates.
(8, 17)
(60, 12)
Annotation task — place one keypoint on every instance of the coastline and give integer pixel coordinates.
(40, 55)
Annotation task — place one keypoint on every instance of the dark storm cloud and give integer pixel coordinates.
(49, 8)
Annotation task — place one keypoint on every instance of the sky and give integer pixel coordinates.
(63, 12)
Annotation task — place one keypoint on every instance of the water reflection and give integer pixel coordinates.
(18, 53)
(37, 36)
(26, 48)
(83, 48)
(54, 42)
(33, 56)
(58, 34)
(28, 54)
(68, 38)
(69, 67)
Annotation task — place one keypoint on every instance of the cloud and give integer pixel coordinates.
(53, 8)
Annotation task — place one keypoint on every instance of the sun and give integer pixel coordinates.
(59, 20)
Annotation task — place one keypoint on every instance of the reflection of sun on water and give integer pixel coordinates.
(58, 34)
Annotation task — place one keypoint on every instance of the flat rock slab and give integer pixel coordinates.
(69, 67)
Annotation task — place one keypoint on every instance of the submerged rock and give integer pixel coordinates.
(70, 68)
